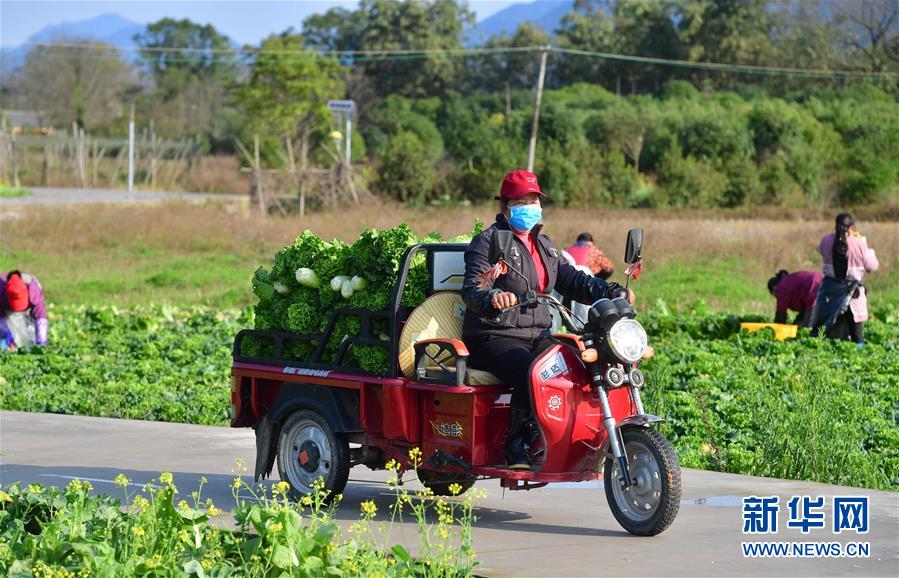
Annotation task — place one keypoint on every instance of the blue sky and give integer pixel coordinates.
(245, 21)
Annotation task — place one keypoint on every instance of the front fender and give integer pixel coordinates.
(644, 420)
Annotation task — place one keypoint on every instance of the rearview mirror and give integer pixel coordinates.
(634, 250)
(500, 245)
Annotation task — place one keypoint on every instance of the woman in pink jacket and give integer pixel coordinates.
(842, 304)
(23, 315)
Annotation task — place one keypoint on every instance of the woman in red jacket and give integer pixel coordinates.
(795, 292)
(504, 338)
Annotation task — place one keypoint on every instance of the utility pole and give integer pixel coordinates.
(131, 152)
(532, 149)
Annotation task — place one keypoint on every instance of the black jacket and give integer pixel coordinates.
(521, 322)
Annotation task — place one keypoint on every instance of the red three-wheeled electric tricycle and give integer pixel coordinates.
(317, 419)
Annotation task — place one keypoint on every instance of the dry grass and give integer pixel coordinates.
(217, 174)
(208, 174)
(205, 253)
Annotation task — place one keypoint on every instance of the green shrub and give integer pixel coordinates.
(406, 172)
(395, 115)
(689, 181)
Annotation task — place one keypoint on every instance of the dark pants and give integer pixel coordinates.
(845, 327)
(803, 318)
(509, 359)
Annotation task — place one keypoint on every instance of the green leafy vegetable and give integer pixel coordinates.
(362, 275)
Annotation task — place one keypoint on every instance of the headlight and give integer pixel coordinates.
(628, 340)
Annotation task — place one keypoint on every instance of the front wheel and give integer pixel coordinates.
(308, 450)
(649, 505)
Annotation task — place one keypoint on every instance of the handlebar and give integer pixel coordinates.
(568, 318)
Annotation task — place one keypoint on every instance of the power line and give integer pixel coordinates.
(250, 51)
(361, 56)
(736, 68)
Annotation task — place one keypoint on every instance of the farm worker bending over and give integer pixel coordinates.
(842, 304)
(795, 292)
(24, 316)
(588, 255)
(504, 339)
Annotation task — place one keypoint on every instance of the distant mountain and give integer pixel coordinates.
(108, 28)
(547, 14)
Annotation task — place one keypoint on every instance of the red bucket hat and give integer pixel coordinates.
(518, 184)
(16, 293)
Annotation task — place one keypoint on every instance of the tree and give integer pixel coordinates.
(632, 28)
(507, 71)
(75, 81)
(192, 68)
(804, 35)
(396, 25)
(588, 27)
(178, 52)
(288, 88)
(725, 31)
(872, 33)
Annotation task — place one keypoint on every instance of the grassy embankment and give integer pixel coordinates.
(205, 255)
(7, 192)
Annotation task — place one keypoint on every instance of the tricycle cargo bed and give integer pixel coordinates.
(464, 421)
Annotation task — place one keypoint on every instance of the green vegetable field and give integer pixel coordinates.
(807, 409)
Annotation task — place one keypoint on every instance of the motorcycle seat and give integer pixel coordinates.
(438, 317)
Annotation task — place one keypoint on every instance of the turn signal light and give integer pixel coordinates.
(589, 355)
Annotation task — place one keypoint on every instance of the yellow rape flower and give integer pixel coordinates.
(140, 503)
(121, 481)
(369, 508)
(166, 478)
(455, 489)
(213, 511)
(4, 497)
(138, 531)
(282, 487)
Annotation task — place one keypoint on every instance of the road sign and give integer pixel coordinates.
(347, 106)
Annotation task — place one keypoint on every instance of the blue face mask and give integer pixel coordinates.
(525, 217)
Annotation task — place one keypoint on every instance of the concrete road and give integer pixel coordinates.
(75, 196)
(561, 530)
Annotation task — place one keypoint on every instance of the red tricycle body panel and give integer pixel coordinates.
(470, 425)
(568, 410)
(467, 422)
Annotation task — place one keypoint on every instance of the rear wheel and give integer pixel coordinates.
(440, 482)
(648, 506)
(309, 449)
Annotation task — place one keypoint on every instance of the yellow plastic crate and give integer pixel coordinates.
(781, 330)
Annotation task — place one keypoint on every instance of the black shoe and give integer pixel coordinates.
(517, 453)
(531, 432)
